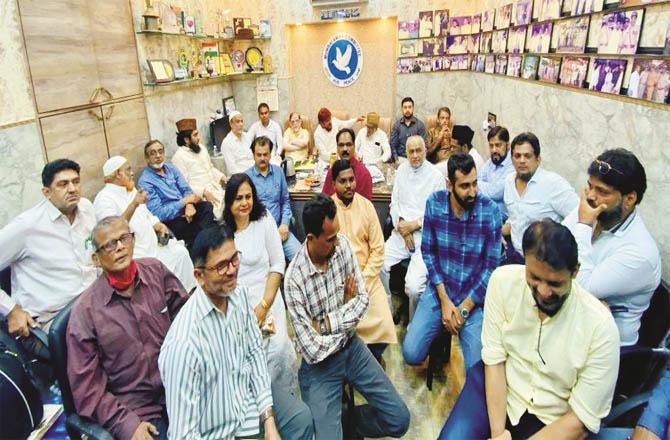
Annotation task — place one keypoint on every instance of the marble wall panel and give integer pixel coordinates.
(15, 89)
(20, 169)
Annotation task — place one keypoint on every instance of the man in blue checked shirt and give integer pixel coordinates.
(461, 247)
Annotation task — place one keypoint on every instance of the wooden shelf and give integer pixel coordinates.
(201, 36)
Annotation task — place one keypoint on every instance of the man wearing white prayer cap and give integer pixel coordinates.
(119, 197)
(236, 146)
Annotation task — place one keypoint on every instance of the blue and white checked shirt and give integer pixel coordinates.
(214, 370)
(461, 253)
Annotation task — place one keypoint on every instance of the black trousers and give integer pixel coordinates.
(203, 219)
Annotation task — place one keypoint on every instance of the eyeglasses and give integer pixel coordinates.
(224, 265)
(345, 144)
(110, 246)
(604, 168)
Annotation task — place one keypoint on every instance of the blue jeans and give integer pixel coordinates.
(385, 414)
(291, 246)
(292, 417)
(426, 325)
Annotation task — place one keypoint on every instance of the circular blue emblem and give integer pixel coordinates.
(342, 60)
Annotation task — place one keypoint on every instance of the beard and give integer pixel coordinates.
(195, 148)
(466, 203)
(526, 176)
(552, 305)
(157, 166)
(497, 159)
(611, 216)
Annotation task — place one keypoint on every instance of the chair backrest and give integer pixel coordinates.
(431, 122)
(58, 350)
(655, 321)
(6, 280)
(307, 125)
(218, 130)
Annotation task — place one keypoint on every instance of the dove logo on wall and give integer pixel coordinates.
(342, 60)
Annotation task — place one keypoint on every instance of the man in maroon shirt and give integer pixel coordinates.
(345, 149)
(115, 333)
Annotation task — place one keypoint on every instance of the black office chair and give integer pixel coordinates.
(642, 365)
(77, 426)
(6, 280)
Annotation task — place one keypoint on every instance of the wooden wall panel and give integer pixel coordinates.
(127, 131)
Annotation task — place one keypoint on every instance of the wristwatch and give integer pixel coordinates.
(464, 312)
(266, 415)
(323, 328)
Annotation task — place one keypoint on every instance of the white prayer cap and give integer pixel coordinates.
(113, 164)
(233, 114)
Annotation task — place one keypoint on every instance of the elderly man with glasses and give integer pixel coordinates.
(619, 260)
(115, 334)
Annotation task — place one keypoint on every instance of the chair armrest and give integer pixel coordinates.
(85, 426)
(626, 406)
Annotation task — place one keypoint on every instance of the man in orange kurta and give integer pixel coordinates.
(359, 223)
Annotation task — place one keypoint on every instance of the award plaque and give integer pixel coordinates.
(254, 58)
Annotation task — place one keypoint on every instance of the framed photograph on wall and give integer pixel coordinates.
(529, 67)
(408, 29)
(460, 25)
(572, 34)
(229, 105)
(523, 12)
(503, 16)
(514, 65)
(619, 32)
(408, 48)
(485, 43)
(607, 75)
(441, 23)
(573, 71)
(540, 37)
(549, 69)
(476, 23)
(650, 80)
(473, 45)
(548, 9)
(586, 6)
(481, 63)
(499, 42)
(457, 44)
(516, 41)
(460, 62)
(404, 65)
(433, 47)
(487, 20)
(425, 24)
(638, 2)
(161, 71)
(490, 64)
(501, 64)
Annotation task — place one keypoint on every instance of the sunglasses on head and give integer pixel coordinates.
(604, 168)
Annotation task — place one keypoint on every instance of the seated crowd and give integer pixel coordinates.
(179, 327)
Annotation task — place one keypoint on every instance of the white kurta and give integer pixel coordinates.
(201, 174)
(325, 142)
(261, 252)
(236, 153)
(114, 200)
(374, 149)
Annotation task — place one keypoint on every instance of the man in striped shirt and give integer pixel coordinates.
(326, 298)
(212, 362)
(461, 247)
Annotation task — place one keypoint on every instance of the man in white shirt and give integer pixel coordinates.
(531, 193)
(372, 144)
(236, 146)
(270, 129)
(119, 197)
(619, 259)
(194, 163)
(324, 135)
(46, 248)
(415, 180)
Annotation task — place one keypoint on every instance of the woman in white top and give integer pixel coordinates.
(261, 268)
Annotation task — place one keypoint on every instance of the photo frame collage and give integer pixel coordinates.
(544, 40)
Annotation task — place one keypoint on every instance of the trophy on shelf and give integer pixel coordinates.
(151, 18)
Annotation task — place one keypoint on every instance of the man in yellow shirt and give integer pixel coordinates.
(360, 224)
(550, 349)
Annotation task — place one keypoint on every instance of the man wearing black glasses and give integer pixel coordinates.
(550, 349)
(619, 259)
(115, 334)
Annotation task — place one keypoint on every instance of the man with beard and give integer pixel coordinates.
(326, 297)
(170, 198)
(194, 163)
(491, 178)
(212, 362)
(408, 125)
(45, 247)
(531, 193)
(619, 259)
(120, 197)
(360, 224)
(460, 245)
(345, 150)
(115, 333)
(550, 350)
